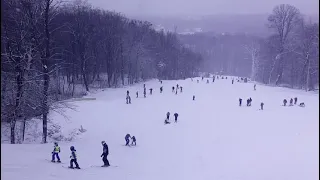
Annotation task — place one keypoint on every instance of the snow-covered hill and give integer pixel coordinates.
(214, 138)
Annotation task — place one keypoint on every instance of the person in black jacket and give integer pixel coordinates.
(127, 139)
(134, 141)
(73, 158)
(105, 154)
(175, 117)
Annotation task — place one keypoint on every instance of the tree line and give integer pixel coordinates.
(288, 57)
(49, 49)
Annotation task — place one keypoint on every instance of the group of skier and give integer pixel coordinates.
(73, 156)
(133, 138)
(166, 121)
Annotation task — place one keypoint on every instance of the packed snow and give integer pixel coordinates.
(214, 138)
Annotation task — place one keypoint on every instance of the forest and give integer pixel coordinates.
(50, 49)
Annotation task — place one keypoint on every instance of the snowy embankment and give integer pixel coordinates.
(213, 139)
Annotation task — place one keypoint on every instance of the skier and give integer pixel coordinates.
(55, 153)
(284, 102)
(144, 92)
(177, 86)
(261, 105)
(105, 153)
(193, 97)
(213, 78)
(127, 139)
(202, 78)
(197, 80)
(134, 141)
(161, 89)
(250, 101)
(295, 100)
(172, 88)
(176, 91)
(232, 81)
(175, 117)
(150, 91)
(207, 81)
(128, 99)
(127, 93)
(166, 121)
(161, 82)
(73, 158)
(181, 89)
(302, 104)
(137, 94)
(240, 101)
(144, 85)
(168, 116)
(254, 87)
(291, 102)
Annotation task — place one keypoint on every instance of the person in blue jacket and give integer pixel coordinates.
(55, 153)
(73, 158)
(105, 153)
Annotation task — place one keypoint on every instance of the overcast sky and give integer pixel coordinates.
(201, 7)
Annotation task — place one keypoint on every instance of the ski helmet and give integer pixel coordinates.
(55, 143)
(71, 148)
(103, 142)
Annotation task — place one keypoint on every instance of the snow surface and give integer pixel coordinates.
(215, 139)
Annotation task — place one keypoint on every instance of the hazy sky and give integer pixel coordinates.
(201, 7)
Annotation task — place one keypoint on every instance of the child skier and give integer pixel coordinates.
(161, 88)
(254, 87)
(144, 92)
(105, 153)
(55, 153)
(181, 89)
(240, 101)
(127, 139)
(137, 94)
(134, 141)
(291, 102)
(193, 97)
(172, 88)
(261, 105)
(73, 158)
(175, 117)
(150, 91)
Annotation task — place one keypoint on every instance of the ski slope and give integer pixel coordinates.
(214, 138)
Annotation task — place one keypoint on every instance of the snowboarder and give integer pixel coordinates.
(193, 97)
(291, 102)
(261, 105)
(105, 153)
(254, 87)
(172, 88)
(137, 94)
(181, 89)
(295, 100)
(144, 92)
(161, 89)
(150, 91)
(240, 101)
(127, 139)
(284, 102)
(134, 141)
(73, 158)
(55, 153)
(175, 117)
